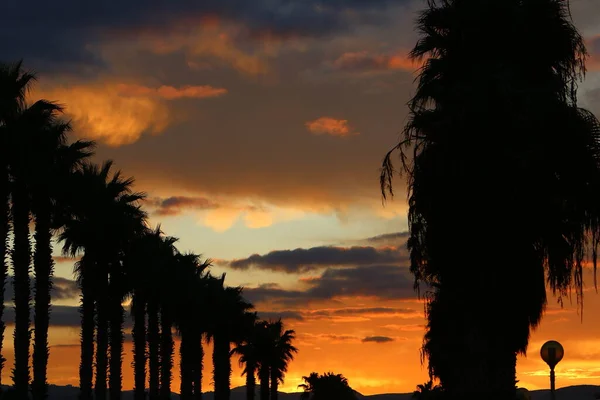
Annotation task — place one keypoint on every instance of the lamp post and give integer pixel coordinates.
(552, 352)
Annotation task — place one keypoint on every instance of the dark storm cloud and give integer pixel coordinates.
(383, 281)
(60, 34)
(377, 339)
(63, 289)
(304, 260)
(176, 204)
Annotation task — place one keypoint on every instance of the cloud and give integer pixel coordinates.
(175, 205)
(393, 239)
(170, 92)
(58, 36)
(274, 315)
(381, 282)
(330, 126)
(60, 316)
(118, 114)
(62, 289)
(102, 112)
(306, 260)
(365, 61)
(377, 339)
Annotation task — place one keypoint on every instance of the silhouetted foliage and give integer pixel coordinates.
(325, 387)
(503, 181)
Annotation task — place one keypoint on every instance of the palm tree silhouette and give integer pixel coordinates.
(105, 214)
(22, 133)
(55, 161)
(325, 387)
(427, 391)
(492, 173)
(226, 327)
(247, 351)
(14, 85)
(282, 352)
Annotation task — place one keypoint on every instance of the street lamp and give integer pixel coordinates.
(552, 352)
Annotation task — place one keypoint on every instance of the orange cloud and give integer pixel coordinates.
(170, 92)
(366, 61)
(330, 126)
(217, 42)
(119, 114)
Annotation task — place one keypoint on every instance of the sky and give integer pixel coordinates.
(257, 128)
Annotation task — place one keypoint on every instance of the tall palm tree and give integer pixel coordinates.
(190, 316)
(22, 134)
(105, 215)
(148, 261)
(325, 387)
(530, 200)
(247, 351)
(281, 354)
(55, 160)
(14, 85)
(263, 344)
(226, 327)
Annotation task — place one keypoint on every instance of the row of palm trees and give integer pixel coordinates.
(503, 173)
(98, 217)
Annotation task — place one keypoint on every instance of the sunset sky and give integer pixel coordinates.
(257, 127)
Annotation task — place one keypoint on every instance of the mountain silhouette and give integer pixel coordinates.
(580, 392)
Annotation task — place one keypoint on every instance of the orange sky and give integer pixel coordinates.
(257, 131)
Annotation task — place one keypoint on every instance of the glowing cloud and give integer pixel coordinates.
(330, 126)
(364, 61)
(119, 114)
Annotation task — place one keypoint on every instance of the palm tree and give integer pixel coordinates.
(282, 352)
(190, 316)
(325, 387)
(22, 134)
(148, 261)
(247, 351)
(14, 85)
(226, 327)
(264, 348)
(54, 162)
(428, 391)
(105, 215)
(530, 199)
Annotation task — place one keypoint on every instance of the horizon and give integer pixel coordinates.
(257, 137)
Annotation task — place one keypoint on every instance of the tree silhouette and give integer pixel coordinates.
(104, 215)
(428, 391)
(248, 353)
(55, 161)
(325, 387)
(492, 174)
(280, 355)
(226, 327)
(14, 84)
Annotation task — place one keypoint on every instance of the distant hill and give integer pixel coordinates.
(582, 392)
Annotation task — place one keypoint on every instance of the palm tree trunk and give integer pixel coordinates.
(139, 346)
(274, 383)
(185, 365)
(198, 365)
(102, 334)
(222, 367)
(116, 340)
(250, 381)
(153, 349)
(87, 311)
(263, 374)
(166, 354)
(21, 267)
(43, 266)
(4, 227)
